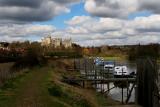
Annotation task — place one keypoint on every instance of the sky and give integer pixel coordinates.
(87, 22)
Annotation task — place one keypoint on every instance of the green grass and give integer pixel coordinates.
(37, 83)
(115, 58)
(42, 87)
(9, 90)
(14, 90)
(66, 96)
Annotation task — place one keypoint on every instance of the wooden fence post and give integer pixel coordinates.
(146, 82)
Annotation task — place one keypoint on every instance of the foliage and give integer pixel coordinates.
(67, 96)
(65, 54)
(55, 90)
(33, 56)
(8, 55)
(151, 50)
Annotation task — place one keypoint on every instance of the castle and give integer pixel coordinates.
(56, 42)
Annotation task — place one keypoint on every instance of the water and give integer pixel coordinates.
(115, 93)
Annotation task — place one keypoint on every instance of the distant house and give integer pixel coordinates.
(56, 42)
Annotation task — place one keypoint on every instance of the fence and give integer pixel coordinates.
(147, 80)
(7, 73)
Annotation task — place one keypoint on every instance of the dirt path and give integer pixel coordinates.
(33, 91)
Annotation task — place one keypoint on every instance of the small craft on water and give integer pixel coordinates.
(121, 71)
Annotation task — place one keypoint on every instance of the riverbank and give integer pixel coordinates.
(112, 58)
(43, 87)
(116, 58)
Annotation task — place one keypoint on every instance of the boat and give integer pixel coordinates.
(98, 61)
(121, 71)
(109, 65)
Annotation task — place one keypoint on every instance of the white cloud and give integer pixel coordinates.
(111, 8)
(147, 24)
(92, 31)
(121, 8)
(112, 27)
(20, 32)
(76, 20)
(26, 11)
(115, 31)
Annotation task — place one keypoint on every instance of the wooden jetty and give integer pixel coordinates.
(105, 80)
(125, 106)
(144, 83)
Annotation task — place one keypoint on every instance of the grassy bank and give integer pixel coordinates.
(116, 58)
(43, 87)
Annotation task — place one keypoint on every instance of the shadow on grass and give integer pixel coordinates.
(73, 99)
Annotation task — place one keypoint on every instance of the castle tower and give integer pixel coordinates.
(57, 42)
(67, 43)
(46, 41)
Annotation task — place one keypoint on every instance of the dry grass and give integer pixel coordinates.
(89, 94)
(5, 66)
(5, 73)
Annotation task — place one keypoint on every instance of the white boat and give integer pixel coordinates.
(120, 71)
(109, 65)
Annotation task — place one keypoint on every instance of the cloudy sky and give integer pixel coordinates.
(87, 22)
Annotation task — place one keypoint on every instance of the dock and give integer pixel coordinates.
(125, 106)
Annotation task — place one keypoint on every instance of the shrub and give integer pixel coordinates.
(151, 50)
(32, 57)
(64, 54)
(55, 90)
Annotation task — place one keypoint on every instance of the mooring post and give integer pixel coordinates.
(122, 87)
(127, 89)
(85, 70)
(95, 76)
(79, 65)
(75, 67)
(122, 95)
(146, 82)
(83, 84)
(102, 74)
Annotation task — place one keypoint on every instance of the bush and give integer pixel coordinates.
(55, 91)
(32, 57)
(138, 51)
(65, 54)
(67, 96)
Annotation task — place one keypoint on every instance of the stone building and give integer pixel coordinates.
(56, 42)
(67, 43)
(46, 41)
